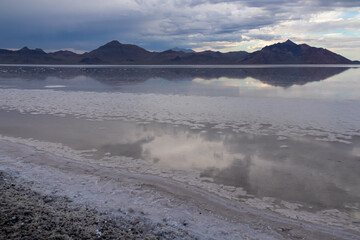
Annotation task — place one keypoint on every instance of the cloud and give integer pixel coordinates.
(158, 24)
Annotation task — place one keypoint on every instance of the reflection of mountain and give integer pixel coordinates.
(284, 77)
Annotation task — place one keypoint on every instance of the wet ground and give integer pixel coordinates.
(278, 138)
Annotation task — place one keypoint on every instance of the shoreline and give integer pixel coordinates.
(161, 202)
(28, 214)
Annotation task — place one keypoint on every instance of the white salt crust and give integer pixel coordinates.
(331, 217)
(326, 121)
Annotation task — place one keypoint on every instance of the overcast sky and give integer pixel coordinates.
(198, 24)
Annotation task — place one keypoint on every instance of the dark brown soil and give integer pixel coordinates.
(26, 214)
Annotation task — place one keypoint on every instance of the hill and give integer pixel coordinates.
(116, 53)
(290, 53)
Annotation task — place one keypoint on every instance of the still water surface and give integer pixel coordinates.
(292, 134)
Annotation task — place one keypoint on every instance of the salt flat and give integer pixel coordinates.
(253, 152)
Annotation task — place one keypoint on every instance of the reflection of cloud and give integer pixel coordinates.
(356, 152)
(297, 173)
(233, 82)
(309, 171)
(188, 151)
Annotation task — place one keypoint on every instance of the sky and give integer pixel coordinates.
(158, 25)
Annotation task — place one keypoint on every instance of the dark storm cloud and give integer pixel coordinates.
(153, 24)
(279, 3)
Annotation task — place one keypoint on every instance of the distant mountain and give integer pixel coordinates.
(26, 56)
(65, 56)
(290, 53)
(115, 52)
(205, 57)
(186, 50)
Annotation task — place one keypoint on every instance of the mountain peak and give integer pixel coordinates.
(113, 43)
(27, 50)
(289, 42)
(24, 49)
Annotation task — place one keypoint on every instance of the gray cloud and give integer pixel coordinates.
(154, 24)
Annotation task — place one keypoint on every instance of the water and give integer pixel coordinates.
(280, 133)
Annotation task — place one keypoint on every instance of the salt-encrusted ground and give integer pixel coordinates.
(173, 202)
(29, 214)
(163, 205)
(327, 121)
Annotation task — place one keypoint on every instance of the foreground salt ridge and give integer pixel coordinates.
(110, 193)
(332, 217)
(114, 188)
(326, 121)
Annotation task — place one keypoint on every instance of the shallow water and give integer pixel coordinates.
(291, 134)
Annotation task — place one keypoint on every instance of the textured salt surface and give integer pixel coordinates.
(192, 177)
(121, 193)
(325, 120)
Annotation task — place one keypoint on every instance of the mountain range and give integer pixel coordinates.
(116, 53)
